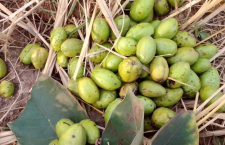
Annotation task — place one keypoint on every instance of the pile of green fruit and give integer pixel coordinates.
(70, 133)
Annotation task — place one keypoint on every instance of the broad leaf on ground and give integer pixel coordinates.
(49, 103)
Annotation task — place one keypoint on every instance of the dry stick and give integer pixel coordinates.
(196, 102)
(180, 82)
(208, 123)
(123, 6)
(183, 104)
(213, 133)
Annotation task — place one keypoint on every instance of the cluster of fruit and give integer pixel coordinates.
(80, 133)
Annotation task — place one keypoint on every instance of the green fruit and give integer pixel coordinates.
(210, 78)
(179, 71)
(148, 124)
(25, 55)
(112, 62)
(155, 24)
(126, 46)
(70, 28)
(161, 7)
(54, 142)
(186, 54)
(140, 9)
(110, 109)
(105, 79)
(201, 65)
(208, 91)
(98, 66)
(130, 69)
(74, 135)
(171, 98)
(39, 57)
(6, 89)
(149, 78)
(132, 24)
(72, 66)
(144, 73)
(3, 68)
(149, 105)
(206, 50)
(159, 69)
(149, 18)
(106, 97)
(91, 129)
(146, 49)
(194, 81)
(167, 29)
(165, 47)
(123, 90)
(72, 47)
(58, 36)
(98, 58)
(172, 3)
(140, 30)
(184, 39)
(88, 90)
(151, 89)
(73, 87)
(62, 125)
(161, 116)
(122, 21)
(62, 60)
(100, 30)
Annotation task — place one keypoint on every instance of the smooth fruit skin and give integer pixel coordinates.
(6, 89)
(165, 47)
(112, 62)
(39, 57)
(62, 60)
(73, 87)
(184, 39)
(58, 36)
(123, 90)
(149, 18)
(72, 66)
(201, 65)
(206, 50)
(161, 7)
(54, 142)
(72, 47)
(69, 28)
(172, 3)
(126, 46)
(25, 55)
(132, 24)
(99, 57)
(110, 109)
(148, 124)
(3, 68)
(62, 125)
(100, 31)
(210, 78)
(155, 24)
(149, 105)
(88, 90)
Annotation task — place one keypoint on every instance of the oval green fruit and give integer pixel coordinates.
(149, 105)
(73, 87)
(201, 65)
(130, 69)
(54, 142)
(161, 7)
(72, 66)
(155, 24)
(62, 125)
(6, 89)
(25, 55)
(3, 68)
(167, 29)
(144, 73)
(210, 78)
(184, 39)
(112, 62)
(165, 47)
(88, 90)
(126, 46)
(146, 49)
(172, 3)
(72, 47)
(105, 79)
(110, 109)
(151, 89)
(206, 50)
(149, 18)
(148, 124)
(91, 129)
(70, 28)
(100, 31)
(58, 36)
(98, 58)
(62, 60)
(123, 90)
(132, 24)
(39, 57)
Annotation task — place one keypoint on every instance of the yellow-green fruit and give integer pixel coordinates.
(184, 39)
(62, 125)
(201, 65)
(54, 142)
(146, 49)
(132, 24)
(74, 135)
(25, 55)
(159, 69)
(194, 81)
(73, 87)
(39, 57)
(88, 90)
(122, 21)
(172, 3)
(98, 66)
(98, 58)
(72, 47)
(105, 79)
(58, 36)
(179, 71)
(110, 109)
(167, 29)
(206, 50)
(151, 89)
(140, 9)
(106, 97)
(112, 62)
(100, 30)
(123, 90)
(208, 91)
(149, 105)
(187, 54)
(6, 89)
(130, 69)
(155, 24)
(144, 73)
(165, 47)
(148, 124)
(72, 66)
(3, 68)
(140, 30)
(171, 98)
(126, 46)
(161, 116)
(91, 129)
(62, 60)
(210, 78)
(161, 7)
(70, 28)
(149, 18)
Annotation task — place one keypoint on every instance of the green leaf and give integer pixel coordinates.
(78, 28)
(49, 103)
(204, 35)
(180, 130)
(125, 125)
